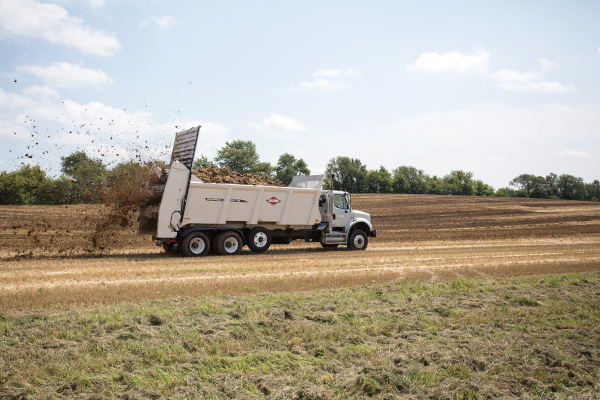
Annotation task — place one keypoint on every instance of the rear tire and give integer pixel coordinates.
(358, 240)
(228, 243)
(195, 244)
(259, 239)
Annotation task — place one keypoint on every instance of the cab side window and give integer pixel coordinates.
(339, 200)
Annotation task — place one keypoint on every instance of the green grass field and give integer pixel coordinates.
(534, 337)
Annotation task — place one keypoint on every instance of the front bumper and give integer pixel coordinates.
(373, 233)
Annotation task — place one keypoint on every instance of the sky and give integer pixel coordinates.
(498, 88)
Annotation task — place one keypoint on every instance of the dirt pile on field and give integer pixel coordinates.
(226, 175)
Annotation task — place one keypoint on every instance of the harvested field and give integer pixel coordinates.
(470, 338)
(48, 260)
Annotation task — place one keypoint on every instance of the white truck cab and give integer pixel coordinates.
(345, 220)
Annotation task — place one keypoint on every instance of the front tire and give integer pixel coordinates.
(195, 244)
(358, 240)
(228, 243)
(259, 239)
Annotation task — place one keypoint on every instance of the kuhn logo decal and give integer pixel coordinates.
(273, 201)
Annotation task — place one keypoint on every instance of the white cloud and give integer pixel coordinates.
(65, 75)
(328, 80)
(52, 22)
(161, 22)
(324, 85)
(40, 92)
(451, 62)
(337, 73)
(573, 154)
(97, 3)
(546, 64)
(278, 123)
(531, 81)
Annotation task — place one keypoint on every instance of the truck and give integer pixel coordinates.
(195, 217)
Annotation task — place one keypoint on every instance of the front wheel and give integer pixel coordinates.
(195, 244)
(358, 240)
(259, 239)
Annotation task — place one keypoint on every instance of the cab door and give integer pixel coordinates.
(341, 210)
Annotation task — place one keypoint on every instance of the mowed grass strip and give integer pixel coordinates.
(533, 337)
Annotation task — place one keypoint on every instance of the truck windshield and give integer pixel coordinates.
(339, 200)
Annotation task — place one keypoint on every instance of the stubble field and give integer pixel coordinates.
(53, 255)
(457, 298)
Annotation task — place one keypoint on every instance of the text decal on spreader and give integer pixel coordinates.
(273, 201)
(219, 199)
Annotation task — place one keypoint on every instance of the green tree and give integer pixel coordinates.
(503, 192)
(483, 189)
(531, 185)
(202, 162)
(592, 190)
(239, 155)
(460, 182)
(56, 191)
(288, 167)
(410, 180)
(379, 181)
(263, 168)
(87, 176)
(350, 174)
(570, 187)
(30, 185)
(436, 185)
(552, 185)
(22, 186)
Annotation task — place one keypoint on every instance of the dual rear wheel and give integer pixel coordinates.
(226, 243)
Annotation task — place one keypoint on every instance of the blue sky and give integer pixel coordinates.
(497, 88)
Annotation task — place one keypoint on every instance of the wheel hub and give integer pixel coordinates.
(230, 245)
(260, 239)
(197, 245)
(359, 241)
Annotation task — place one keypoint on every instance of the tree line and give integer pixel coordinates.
(83, 177)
